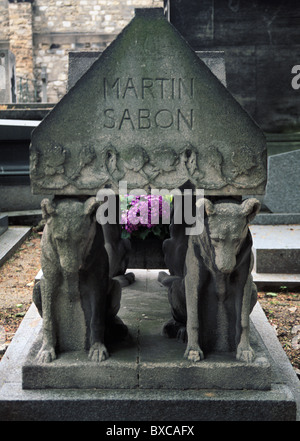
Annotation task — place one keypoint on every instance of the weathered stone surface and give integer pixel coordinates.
(76, 298)
(211, 290)
(7, 77)
(73, 369)
(16, 404)
(151, 115)
(282, 191)
(148, 360)
(79, 63)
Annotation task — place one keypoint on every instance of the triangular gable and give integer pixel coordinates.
(151, 113)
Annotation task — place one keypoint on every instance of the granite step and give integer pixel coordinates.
(11, 240)
(277, 256)
(276, 252)
(3, 223)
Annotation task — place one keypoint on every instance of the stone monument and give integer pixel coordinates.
(152, 116)
(282, 191)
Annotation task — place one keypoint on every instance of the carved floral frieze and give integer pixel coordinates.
(165, 167)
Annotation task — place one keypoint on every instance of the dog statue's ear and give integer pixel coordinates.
(208, 206)
(250, 208)
(90, 206)
(48, 209)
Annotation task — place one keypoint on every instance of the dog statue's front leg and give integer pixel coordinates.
(47, 352)
(244, 351)
(97, 292)
(193, 351)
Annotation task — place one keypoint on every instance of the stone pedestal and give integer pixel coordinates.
(148, 360)
(140, 385)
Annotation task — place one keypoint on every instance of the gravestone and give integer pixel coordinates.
(282, 196)
(7, 77)
(155, 116)
(278, 251)
(282, 191)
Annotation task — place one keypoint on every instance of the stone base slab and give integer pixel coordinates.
(146, 405)
(148, 360)
(280, 403)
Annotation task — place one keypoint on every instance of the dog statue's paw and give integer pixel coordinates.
(194, 354)
(46, 354)
(245, 354)
(98, 352)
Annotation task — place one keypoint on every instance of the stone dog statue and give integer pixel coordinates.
(75, 267)
(213, 301)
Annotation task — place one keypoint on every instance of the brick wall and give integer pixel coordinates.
(4, 24)
(60, 26)
(100, 16)
(20, 37)
(41, 33)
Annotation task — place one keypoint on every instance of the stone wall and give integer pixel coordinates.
(20, 37)
(261, 41)
(60, 26)
(4, 24)
(42, 32)
(97, 16)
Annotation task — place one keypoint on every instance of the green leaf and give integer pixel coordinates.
(125, 234)
(271, 294)
(156, 230)
(143, 234)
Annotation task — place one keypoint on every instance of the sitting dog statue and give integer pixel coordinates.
(213, 301)
(75, 268)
